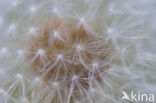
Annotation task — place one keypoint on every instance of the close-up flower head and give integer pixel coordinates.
(77, 51)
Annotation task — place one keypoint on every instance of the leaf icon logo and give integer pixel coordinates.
(125, 96)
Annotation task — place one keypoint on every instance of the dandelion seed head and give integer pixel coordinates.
(67, 50)
(72, 51)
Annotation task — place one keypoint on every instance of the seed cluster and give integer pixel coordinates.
(65, 54)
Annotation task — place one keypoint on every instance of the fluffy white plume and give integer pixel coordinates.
(96, 50)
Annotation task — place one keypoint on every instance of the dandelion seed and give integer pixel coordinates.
(82, 20)
(37, 79)
(55, 10)
(20, 52)
(95, 65)
(92, 90)
(2, 91)
(14, 3)
(75, 78)
(79, 47)
(56, 34)
(41, 52)
(19, 76)
(2, 72)
(77, 102)
(109, 30)
(25, 100)
(32, 30)
(59, 57)
(55, 84)
(1, 21)
(12, 27)
(4, 50)
(32, 9)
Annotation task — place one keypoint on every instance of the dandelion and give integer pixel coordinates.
(83, 51)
